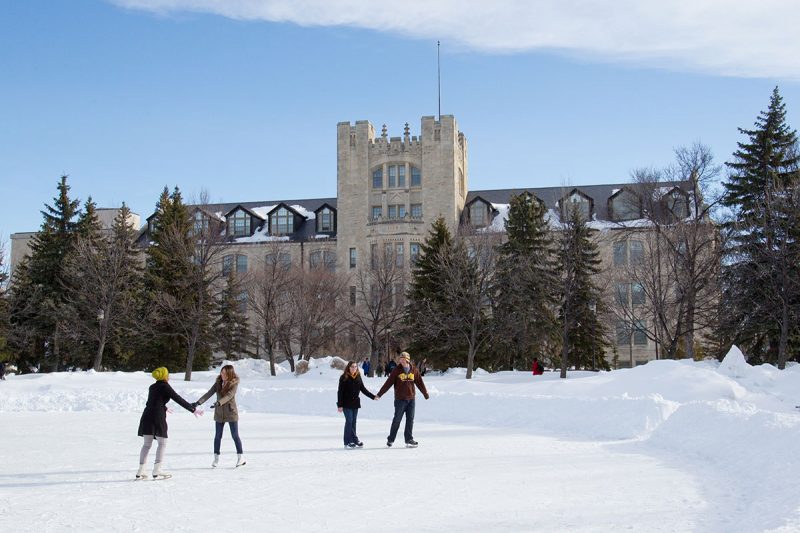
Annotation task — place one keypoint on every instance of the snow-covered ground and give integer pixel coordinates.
(669, 446)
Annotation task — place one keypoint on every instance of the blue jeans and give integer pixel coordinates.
(403, 407)
(350, 419)
(234, 433)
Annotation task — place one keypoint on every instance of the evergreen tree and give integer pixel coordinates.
(526, 325)
(168, 268)
(425, 290)
(5, 324)
(583, 336)
(230, 326)
(760, 279)
(42, 280)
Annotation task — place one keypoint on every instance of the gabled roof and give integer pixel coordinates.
(326, 204)
(245, 209)
(287, 207)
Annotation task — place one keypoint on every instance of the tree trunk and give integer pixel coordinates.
(564, 349)
(98, 358)
(190, 358)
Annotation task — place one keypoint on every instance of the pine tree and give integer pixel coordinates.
(583, 336)
(231, 329)
(524, 313)
(42, 277)
(425, 289)
(761, 281)
(168, 269)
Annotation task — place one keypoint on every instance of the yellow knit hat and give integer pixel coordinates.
(161, 373)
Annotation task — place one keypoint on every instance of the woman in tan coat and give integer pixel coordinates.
(225, 411)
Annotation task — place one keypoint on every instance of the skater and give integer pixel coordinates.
(537, 367)
(404, 378)
(365, 366)
(348, 402)
(153, 424)
(225, 411)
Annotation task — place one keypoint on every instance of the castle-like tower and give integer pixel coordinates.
(390, 189)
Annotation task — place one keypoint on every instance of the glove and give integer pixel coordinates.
(213, 405)
(195, 404)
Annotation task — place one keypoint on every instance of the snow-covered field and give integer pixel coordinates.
(669, 446)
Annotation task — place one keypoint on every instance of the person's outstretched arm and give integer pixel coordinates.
(179, 400)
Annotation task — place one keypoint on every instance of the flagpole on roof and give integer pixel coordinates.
(439, 77)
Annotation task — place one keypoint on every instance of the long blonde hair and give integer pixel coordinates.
(230, 375)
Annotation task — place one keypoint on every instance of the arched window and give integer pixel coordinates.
(234, 260)
(322, 258)
(282, 258)
(282, 222)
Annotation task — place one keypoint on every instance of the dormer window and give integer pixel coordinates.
(625, 205)
(239, 224)
(325, 220)
(282, 222)
(677, 203)
(478, 214)
(200, 223)
(579, 202)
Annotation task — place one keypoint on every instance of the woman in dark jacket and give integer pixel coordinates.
(347, 401)
(225, 410)
(153, 424)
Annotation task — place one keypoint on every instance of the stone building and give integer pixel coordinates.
(389, 191)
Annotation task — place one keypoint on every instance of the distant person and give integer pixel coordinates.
(537, 367)
(153, 424)
(348, 402)
(2, 370)
(390, 365)
(423, 367)
(225, 410)
(404, 378)
(379, 369)
(365, 366)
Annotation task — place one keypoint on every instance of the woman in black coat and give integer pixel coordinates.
(347, 401)
(153, 424)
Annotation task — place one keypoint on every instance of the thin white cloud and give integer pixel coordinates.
(749, 38)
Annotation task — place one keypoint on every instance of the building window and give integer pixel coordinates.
(229, 260)
(401, 176)
(329, 259)
(325, 220)
(620, 253)
(414, 249)
(393, 176)
(352, 257)
(677, 204)
(477, 214)
(621, 294)
(387, 253)
(377, 179)
(416, 177)
(239, 224)
(623, 333)
(283, 259)
(392, 211)
(377, 211)
(621, 250)
(352, 295)
(416, 210)
(399, 254)
(282, 222)
(320, 258)
(639, 334)
(637, 294)
(637, 252)
(581, 204)
(200, 223)
(241, 299)
(625, 206)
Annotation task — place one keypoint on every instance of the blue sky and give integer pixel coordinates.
(242, 98)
